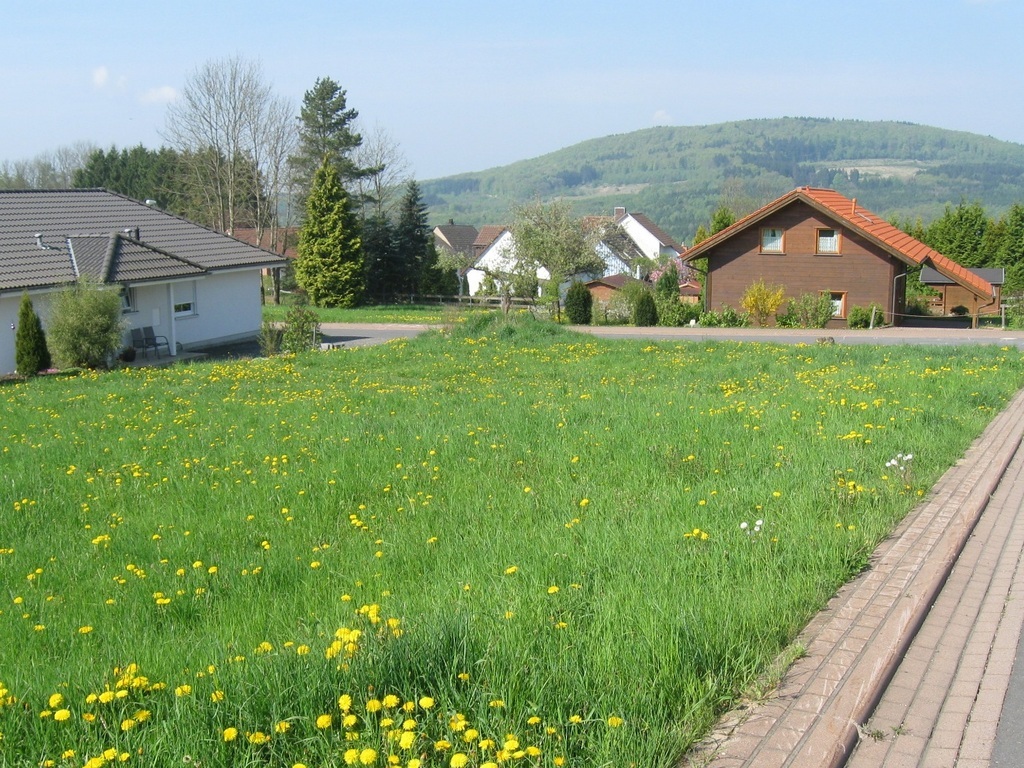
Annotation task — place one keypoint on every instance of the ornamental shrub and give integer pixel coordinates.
(86, 327)
(727, 318)
(301, 330)
(860, 317)
(811, 310)
(761, 301)
(31, 354)
(645, 311)
(579, 304)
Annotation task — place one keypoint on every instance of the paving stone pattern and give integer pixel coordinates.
(943, 703)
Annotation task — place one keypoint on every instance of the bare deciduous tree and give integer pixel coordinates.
(225, 126)
(387, 172)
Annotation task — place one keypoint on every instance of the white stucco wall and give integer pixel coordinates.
(648, 243)
(227, 309)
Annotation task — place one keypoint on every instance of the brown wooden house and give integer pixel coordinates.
(818, 241)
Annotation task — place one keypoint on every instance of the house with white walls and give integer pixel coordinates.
(192, 285)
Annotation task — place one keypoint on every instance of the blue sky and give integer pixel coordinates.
(464, 86)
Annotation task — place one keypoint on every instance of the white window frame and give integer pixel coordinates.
(838, 299)
(185, 307)
(772, 242)
(835, 239)
(129, 303)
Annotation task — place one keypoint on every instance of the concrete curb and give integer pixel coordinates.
(855, 644)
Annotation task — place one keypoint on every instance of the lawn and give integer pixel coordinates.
(418, 314)
(500, 543)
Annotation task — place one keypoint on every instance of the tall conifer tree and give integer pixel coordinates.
(330, 262)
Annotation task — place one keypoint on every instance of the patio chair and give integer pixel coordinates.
(153, 341)
(139, 341)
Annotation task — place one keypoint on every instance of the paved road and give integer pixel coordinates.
(361, 334)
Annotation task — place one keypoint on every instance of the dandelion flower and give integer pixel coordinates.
(61, 715)
(323, 722)
(230, 734)
(426, 702)
(614, 721)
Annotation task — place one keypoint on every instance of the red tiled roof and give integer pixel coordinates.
(870, 225)
(487, 235)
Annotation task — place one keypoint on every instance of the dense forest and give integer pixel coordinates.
(679, 175)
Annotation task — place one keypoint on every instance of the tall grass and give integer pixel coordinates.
(532, 540)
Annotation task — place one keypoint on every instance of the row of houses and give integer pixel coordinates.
(809, 241)
(197, 287)
(628, 244)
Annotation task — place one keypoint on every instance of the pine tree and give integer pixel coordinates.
(412, 236)
(31, 354)
(325, 131)
(330, 262)
(378, 248)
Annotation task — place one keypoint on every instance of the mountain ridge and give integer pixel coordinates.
(678, 175)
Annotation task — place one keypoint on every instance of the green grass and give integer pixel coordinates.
(420, 314)
(539, 532)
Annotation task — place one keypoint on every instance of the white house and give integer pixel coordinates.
(194, 286)
(652, 241)
(625, 247)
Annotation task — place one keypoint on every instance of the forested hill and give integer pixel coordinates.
(679, 175)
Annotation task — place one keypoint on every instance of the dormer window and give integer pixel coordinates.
(771, 240)
(828, 241)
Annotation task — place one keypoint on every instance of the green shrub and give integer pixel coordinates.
(860, 317)
(811, 310)
(270, 338)
(727, 318)
(645, 311)
(670, 311)
(31, 354)
(579, 304)
(301, 330)
(86, 327)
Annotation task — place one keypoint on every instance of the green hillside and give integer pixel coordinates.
(679, 175)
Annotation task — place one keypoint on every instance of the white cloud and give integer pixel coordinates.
(161, 95)
(100, 75)
(662, 117)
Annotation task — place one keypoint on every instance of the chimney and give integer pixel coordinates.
(619, 212)
(853, 207)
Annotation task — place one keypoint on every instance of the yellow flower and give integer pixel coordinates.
(373, 705)
(368, 756)
(552, 589)
(61, 715)
(351, 756)
(459, 760)
(344, 702)
(407, 740)
(324, 722)
(258, 737)
(128, 724)
(55, 701)
(282, 727)
(391, 701)
(615, 721)
(426, 702)
(511, 569)
(230, 734)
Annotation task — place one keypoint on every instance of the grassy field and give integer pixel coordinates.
(420, 314)
(507, 543)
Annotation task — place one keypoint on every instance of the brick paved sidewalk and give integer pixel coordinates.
(854, 646)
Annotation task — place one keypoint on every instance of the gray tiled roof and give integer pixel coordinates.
(995, 275)
(458, 238)
(160, 245)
